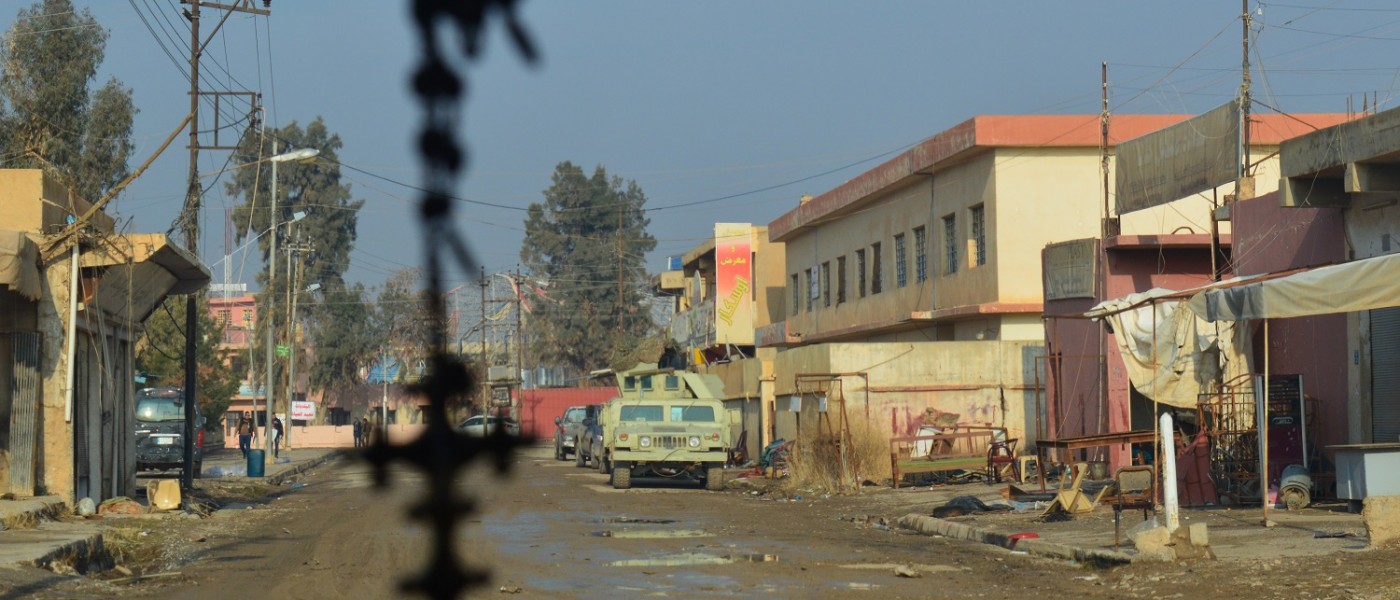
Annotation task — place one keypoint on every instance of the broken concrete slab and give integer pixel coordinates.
(1382, 517)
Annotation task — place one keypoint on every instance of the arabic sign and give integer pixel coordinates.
(733, 284)
(1187, 158)
(303, 411)
(1069, 269)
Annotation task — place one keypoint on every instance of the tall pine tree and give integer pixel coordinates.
(49, 117)
(587, 243)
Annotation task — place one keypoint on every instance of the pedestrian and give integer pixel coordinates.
(359, 432)
(276, 435)
(245, 433)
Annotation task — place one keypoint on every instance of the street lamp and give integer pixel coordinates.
(302, 154)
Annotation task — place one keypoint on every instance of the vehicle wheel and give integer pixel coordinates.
(714, 479)
(558, 451)
(621, 475)
(601, 462)
(578, 457)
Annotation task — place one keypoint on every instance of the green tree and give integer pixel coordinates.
(345, 340)
(160, 355)
(587, 235)
(325, 236)
(49, 118)
(401, 318)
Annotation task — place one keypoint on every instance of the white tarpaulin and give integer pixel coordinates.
(1171, 355)
(1364, 284)
(19, 264)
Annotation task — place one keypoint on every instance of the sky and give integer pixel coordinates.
(724, 111)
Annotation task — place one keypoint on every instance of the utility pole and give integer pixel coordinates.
(296, 247)
(519, 345)
(481, 359)
(621, 313)
(190, 218)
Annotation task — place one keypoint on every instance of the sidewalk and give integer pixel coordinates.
(1235, 533)
(37, 539)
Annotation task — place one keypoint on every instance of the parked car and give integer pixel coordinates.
(566, 428)
(484, 425)
(160, 430)
(587, 435)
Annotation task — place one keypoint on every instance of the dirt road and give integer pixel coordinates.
(557, 531)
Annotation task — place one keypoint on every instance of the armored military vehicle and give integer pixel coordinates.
(665, 423)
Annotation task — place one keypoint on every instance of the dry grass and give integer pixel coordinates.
(815, 463)
(25, 520)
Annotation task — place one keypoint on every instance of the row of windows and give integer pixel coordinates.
(818, 284)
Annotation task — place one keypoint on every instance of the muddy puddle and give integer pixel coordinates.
(693, 559)
(653, 534)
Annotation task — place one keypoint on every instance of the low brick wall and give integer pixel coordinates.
(337, 436)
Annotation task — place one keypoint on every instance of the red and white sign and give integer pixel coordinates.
(733, 284)
(303, 411)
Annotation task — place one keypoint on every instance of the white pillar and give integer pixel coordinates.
(1168, 463)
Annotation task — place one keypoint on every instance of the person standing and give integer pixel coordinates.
(245, 433)
(276, 435)
(359, 433)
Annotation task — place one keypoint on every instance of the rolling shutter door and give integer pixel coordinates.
(1385, 375)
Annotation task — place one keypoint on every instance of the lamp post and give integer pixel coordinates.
(303, 154)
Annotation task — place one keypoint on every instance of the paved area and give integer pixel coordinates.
(1236, 533)
(38, 529)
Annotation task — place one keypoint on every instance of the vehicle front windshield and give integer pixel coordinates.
(693, 414)
(642, 413)
(574, 415)
(160, 409)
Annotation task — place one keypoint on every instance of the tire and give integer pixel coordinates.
(714, 479)
(601, 462)
(578, 457)
(558, 450)
(622, 476)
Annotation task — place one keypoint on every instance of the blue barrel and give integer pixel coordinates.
(255, 462)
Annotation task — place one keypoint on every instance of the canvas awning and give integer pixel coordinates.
(19, 264)
(1169, 353)
(1358, 285)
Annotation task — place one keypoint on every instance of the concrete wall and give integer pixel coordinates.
(897, 211)
(1043, 196)
(19, 210)
(1270, 238)
(989, 382)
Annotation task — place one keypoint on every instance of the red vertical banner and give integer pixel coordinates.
(733, 284)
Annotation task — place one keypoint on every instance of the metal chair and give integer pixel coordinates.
(1135, 490)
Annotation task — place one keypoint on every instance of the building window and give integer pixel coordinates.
(225, 317)
(840, 279)
(796, 295)
(920, 255)
(811, 286)
(826, 284)
(979, 235)
(860, 272)
(950, 244)
(901, 267)
(875, 268)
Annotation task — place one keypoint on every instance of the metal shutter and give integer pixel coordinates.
(1385, 375)
(24, 416)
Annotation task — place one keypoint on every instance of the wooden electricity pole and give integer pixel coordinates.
(190, 216)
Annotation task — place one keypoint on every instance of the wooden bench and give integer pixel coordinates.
(963, 449)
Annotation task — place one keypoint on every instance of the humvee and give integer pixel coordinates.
(666, 423)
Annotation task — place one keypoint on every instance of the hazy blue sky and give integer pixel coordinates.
(703, 100)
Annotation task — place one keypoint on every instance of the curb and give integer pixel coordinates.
(88, 555)
(282, 477)
(941, 527)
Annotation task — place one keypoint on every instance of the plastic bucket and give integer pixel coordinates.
(255, 462)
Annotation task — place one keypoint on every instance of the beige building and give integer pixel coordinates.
(72, 300)
(918, 284)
